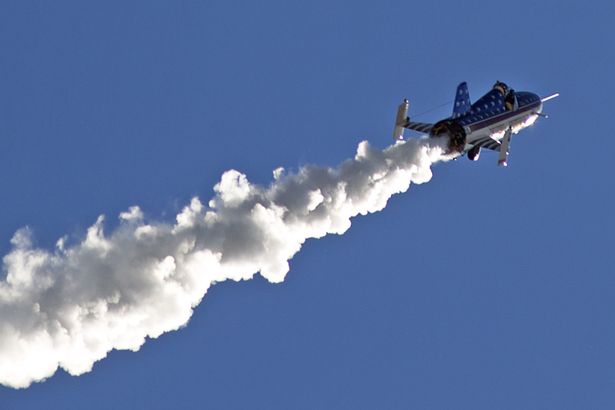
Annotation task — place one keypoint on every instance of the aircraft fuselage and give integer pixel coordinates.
(488, 121)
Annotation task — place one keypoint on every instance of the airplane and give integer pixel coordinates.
(488, 123)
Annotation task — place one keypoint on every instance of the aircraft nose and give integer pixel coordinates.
(526, 98)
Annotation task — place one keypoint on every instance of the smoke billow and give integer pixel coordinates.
(68, 307)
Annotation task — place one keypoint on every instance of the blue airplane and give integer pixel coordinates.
(488, 123)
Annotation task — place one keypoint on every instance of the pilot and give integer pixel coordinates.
(509, 100)
(501, 87)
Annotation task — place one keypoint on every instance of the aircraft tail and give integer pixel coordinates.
(462, 100)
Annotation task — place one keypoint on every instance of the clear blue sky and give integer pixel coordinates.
(486, 288)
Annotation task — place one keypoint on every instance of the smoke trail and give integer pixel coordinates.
(69, 307)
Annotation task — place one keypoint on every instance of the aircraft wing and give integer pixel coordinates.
(487, 142)
(499, 146)
(418, 126)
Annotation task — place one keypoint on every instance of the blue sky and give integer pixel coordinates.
(485, 288)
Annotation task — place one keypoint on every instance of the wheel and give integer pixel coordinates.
(474, 153)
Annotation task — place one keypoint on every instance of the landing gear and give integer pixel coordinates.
(474, 153)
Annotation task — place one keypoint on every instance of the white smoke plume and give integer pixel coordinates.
(70, 306)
